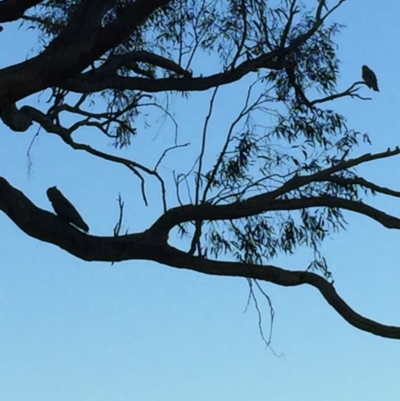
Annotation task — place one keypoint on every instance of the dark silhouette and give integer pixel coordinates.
(369, 78)
(65, 209)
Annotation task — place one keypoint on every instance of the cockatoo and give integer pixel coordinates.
(369, 78)
(65, 209)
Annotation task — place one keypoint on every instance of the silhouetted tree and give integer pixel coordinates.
(257, 199)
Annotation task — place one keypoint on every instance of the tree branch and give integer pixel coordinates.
(279, 276)
(152, 245)
(12, 10)
(81, 42)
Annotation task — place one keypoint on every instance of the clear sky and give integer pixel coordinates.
(72, 331)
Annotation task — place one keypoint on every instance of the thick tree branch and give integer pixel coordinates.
(152, 245)
(81, 42)
(67, 55)
(96, 81)
(91, 82)
(11, 10)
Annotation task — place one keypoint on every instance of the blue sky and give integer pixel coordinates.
(71, 330)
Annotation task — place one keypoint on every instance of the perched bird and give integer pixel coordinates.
(64, 209)
(369, 78)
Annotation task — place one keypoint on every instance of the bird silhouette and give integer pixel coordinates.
(369, 78)
(65, 209)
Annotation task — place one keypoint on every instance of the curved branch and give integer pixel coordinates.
(91, 82)
(65, 134)
(279, 276)
(83, 40)
(350, 91)
(18, 120)
(152, 245)
(269, 201)
(262, 204)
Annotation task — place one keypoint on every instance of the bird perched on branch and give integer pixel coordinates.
(369, 78)
(65, 209)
